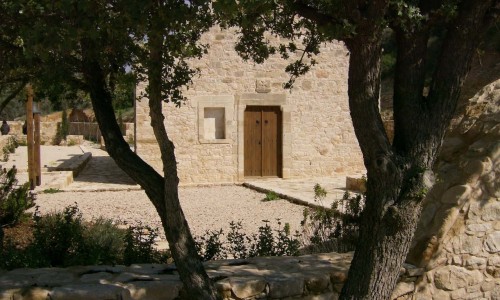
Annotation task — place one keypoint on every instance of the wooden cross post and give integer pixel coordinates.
(30, 137)
(33, 140)
(36, 156)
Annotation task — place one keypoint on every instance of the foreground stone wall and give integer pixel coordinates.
(318, 137)
(319, 276)
(458, 238)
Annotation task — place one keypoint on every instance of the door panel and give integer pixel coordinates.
(269, 143)
(262, 149)
(253, 137)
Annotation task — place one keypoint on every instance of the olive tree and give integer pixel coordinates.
(399, 173)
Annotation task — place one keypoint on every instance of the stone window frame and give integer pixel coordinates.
(257, 99)
(215, 101)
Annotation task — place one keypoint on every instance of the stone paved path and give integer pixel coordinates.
(301, 191)
(101, 174)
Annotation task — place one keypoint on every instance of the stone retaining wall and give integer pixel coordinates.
(458, 238)
(319, 276)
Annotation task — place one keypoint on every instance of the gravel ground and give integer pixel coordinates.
(206, 208)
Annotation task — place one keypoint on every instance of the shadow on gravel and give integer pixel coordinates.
(103, 169)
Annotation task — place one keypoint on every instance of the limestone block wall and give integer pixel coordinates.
(48, 131)
(317, 276)
(318, 137)
(458, 238)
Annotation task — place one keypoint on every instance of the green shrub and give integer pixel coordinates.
(139, 246)
(51, 191)
(104, 243)
(267, 242)
(59, 237)
(332, 229)
(62, 239)
(271, 196)
(14, 199)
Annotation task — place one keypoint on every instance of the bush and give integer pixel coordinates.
(14, 199)
(62, 239)
(271, 196)
(59, 237)
(267, 242)
(332, 229)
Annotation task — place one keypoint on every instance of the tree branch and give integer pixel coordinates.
(12, 95)
(463, 37)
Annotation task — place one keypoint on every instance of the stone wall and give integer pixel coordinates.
(458, 238)
(318, 276)
(318, 137)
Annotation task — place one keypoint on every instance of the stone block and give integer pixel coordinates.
(492, 242)
(474, 262)
(89, 292)
(152, 290)
(456, 195)
(403, 288)
(317, 283)
(451, 278)
(281, 287)
(325, 296)
(244, 287)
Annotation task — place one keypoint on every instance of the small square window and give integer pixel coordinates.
(215, 118)
(214, 123)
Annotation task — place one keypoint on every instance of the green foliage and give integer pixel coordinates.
(139, 246)
(267, 242)
(64, 124)
(62, 239)
(51, 191)
(59, 237)
(333, 229)
(271, 196)
(14, 199)
(9, 148)
(319, 193)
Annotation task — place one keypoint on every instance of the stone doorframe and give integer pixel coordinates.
(244, 100)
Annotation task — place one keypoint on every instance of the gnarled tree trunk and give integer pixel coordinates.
(399, 174)
(162, 192)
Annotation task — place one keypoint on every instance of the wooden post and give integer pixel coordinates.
(29, 137)
(37, 157)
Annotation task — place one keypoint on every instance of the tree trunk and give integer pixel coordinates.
(161, 192)
(399, 174)
(387, 223)
(191, 270)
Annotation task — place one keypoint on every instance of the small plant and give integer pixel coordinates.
(51, 191)
(319, 193)
(267, 242)
(5, 153)
(71, 143)
(271, 196)
(139, 246)
(14, 199)
(62, 239)
(58, 237)
(333, 229)
(210, 246)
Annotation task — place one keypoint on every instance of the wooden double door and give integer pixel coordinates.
(263, 141)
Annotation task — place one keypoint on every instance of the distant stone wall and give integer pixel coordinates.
(318, 136)
(458, 238)
(48, 131)
(91, 131)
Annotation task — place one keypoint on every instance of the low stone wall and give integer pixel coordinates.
(318, 276)
(91, 130)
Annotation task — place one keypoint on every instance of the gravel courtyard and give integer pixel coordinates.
(206, 208)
